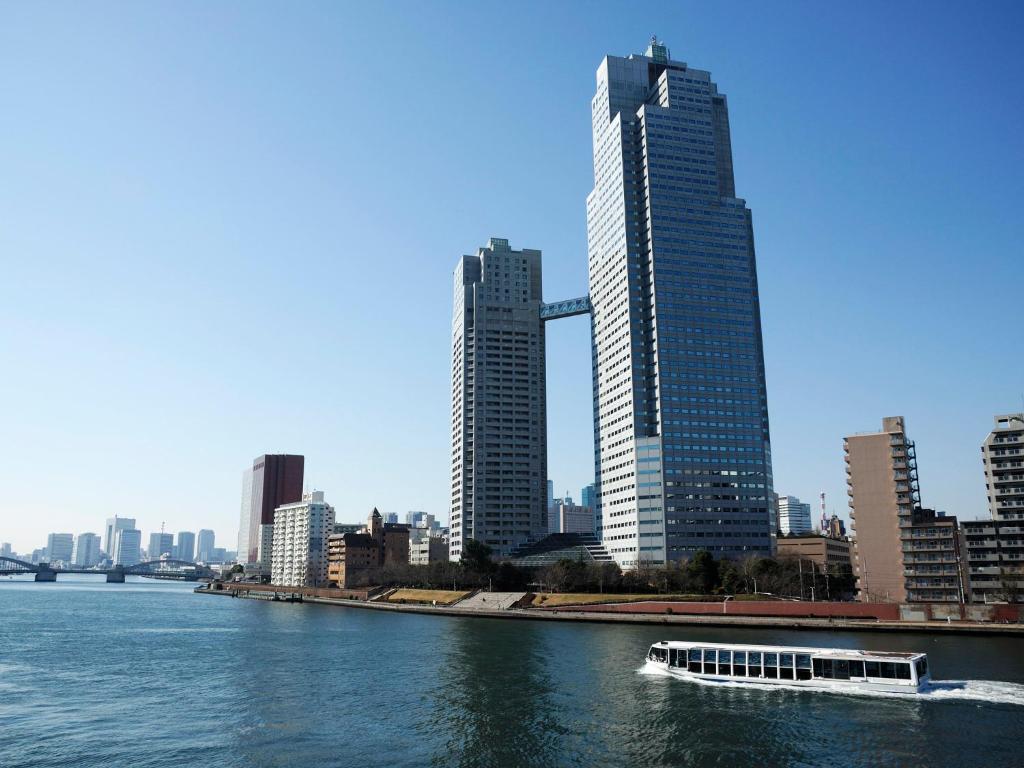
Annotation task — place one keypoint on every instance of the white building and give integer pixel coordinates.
(127, 546)
(794, 516)
(86, 552)
(300, 534)
(115, 524)
(432, 549)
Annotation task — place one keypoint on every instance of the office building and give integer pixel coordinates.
(86, 552)
(881, 478)
(161, 544)
(830, 555)
(499, 420)
(994, 553)
(391, 518)
(429, 549)
(794, 516)
(205, 545)
(572, 518)
(5, 549)
(273, 481)
(587, 496)
(300, 538)
(59, 547)
(931, 558)
(113, 525)
(185, 549)
(127, 546)
(265, 554)
(682, 460)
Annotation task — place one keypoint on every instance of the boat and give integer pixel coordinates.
(833, 668)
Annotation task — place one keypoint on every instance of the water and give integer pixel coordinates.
(149, 674)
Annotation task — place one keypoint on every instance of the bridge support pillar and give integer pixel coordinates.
(115, 576)
(46, 575)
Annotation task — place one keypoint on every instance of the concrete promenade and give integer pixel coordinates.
(597, 616)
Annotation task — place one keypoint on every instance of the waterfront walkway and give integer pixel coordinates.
(484, 609)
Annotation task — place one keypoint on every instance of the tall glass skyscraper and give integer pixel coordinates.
(682, 450)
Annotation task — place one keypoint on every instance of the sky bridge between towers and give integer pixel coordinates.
(566, 308)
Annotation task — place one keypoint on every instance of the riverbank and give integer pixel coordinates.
(630, 613)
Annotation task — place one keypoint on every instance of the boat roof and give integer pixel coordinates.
(841, 653)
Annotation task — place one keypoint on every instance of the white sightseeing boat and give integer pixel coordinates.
(834, 668)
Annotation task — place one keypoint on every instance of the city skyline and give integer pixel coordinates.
(863, 185)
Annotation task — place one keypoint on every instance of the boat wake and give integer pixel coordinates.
(987, 691)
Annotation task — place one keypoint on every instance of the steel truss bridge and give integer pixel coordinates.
(178, 570)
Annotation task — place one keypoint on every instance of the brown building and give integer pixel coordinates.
(275, 480)
(831, 555)
(881, 478)
(352, 555)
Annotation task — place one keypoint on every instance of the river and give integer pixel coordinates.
(150, 674)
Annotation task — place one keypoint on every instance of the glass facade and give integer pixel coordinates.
(681, 422)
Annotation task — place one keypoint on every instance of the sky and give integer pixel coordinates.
(229, 229)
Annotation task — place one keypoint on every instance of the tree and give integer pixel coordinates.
(476, 557)
(702, 568)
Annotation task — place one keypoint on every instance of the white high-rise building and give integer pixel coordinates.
(682, 458)
(59, 547)
(794, 516)
(127, 546)
(299, 556)
(115, 524)
(245, 516)
(86, 551)
(499, 418)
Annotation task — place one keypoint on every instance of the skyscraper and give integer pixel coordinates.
(682, 456)
(587, 496)
(499, 419)
(794, 516)
(204, 546)
(275, 479)
(127, 546)
(185, 549)
(86, 552)
(59, 547)
(113, 525)
(160, 544)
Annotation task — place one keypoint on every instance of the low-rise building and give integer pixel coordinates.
(829, 554)
(351, 555)
(301, 531)
(432, 549)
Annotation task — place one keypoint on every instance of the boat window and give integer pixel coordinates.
(709, 655)
(786, 673)
(786, 660)
(724, 657)
(922, 667)
(888, 669)
(694, 666)
(902, 671)
(803, 661)
(872, 669)
(771, 671)
(856, 669)
(771, 659)
(673, 657)
(695, 654)
(739, 669)
(841, 668)
(725, 669)
(739, 657)
(803, 674)
(818, 668)
(754, 658)
(826, 668)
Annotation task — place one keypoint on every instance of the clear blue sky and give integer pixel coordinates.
(230, 228)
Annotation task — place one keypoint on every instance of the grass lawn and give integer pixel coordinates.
(428, 596)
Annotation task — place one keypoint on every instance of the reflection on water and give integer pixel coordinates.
(151, 675)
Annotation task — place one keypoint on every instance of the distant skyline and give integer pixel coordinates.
(229, 230)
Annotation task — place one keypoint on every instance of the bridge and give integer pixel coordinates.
(178, 570)
(566, 308)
